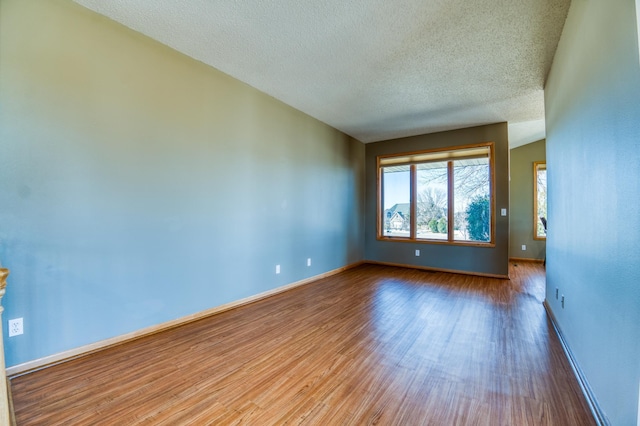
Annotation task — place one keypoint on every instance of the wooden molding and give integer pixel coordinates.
(451, 201)
(413, 202)
(61, 357)
(537, 165)
(12, 411)
(429, 268)
(598, 415)
(4, 273)
(525, 259)
(4, 395)
(436, 242)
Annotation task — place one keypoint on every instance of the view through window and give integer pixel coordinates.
(540, 200)
(422, 193)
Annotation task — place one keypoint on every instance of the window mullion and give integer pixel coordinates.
(413, 201)
(450, 201)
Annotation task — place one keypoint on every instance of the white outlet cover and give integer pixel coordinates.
(503, 212)
(15, 327)
(417, 252)
(309, 262)
(277, 269)
(524, 247)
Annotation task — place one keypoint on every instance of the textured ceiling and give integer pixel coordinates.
(375, 69)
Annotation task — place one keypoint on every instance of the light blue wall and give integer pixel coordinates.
(593, 159)
(138, 185)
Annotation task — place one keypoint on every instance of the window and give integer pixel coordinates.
(540, 200)
(437, 196)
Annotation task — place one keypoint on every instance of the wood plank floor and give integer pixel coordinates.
(372, 345)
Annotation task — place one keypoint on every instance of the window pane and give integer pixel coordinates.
(472, 200)
(396, 195)
(541, 199)
(431, 206)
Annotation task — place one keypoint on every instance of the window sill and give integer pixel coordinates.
(437, 242)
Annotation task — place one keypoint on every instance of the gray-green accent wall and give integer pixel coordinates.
(138, 185)
(472, 259)
(592, 103)
(521, 218)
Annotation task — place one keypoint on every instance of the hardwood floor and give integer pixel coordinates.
(372, 345)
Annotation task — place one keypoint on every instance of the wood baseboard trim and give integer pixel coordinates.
(429, 268)
(598, 415)
(524, 259)
(38, 364)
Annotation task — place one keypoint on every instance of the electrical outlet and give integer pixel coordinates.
(524, 247)
(15, 327)
(503, 212)
(417, 252)
(277, 269)
(309, 262)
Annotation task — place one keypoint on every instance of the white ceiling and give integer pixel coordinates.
(375, 69)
